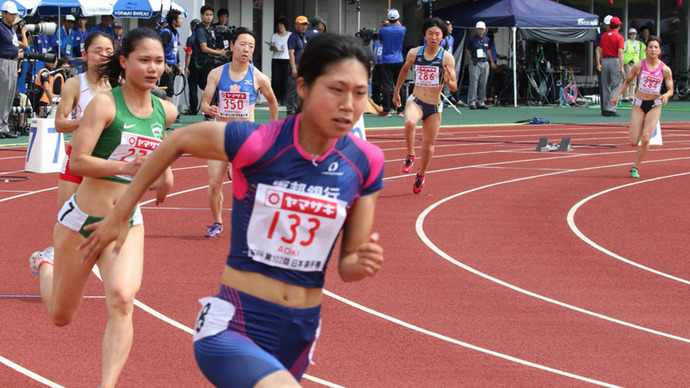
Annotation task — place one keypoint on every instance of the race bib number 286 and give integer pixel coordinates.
(293, 230)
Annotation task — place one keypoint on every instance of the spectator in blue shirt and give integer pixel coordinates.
(296, 43)
(391, 37)
(75, 46)
(105, 25)
(376, 77)
(63, 35)
(479, 51)
(318, 25)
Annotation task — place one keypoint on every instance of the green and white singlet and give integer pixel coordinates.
(130, 136)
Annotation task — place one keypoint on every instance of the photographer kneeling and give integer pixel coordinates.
(50, 79)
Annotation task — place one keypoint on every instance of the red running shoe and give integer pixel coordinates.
(418, 184)
(407, 163)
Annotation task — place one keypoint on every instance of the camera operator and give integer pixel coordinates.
(209, 57)
(50, 82)
(9, 52)
(391, 37)
(170, 37)
(222, 42)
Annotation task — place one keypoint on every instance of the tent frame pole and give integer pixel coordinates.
(515, 102)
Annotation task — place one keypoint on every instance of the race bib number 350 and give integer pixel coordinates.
(235, 105)
(293, 230)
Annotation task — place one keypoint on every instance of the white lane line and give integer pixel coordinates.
(29, 373)
(578, 233)
(419, 226)
(465, 344)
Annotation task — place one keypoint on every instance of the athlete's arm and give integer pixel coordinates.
(409, 61)
(209, 91)
(165, 183)
(668, 79)
(204, 140)
(70, 96)
(360, 254)
(265, 88)
(449, 71)
(98, 115)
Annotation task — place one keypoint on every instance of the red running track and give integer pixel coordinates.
(511, 268)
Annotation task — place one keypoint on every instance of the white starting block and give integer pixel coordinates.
(358, 130)
(46, 149)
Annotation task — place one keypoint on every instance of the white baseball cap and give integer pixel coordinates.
(393, 14)
(607, 19)
(480, 25)
(10, 7)
(632, 31)
(69, 18)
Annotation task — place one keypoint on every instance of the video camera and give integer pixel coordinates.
(224, 32)
(367, 34)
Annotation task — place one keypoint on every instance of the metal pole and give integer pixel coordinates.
(514, 29)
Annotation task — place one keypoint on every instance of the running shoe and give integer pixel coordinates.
(418, 184)
(634, 173)
(214, 230)
(39, 258)
(407, 163)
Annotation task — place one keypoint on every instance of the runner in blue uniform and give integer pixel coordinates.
(236, 86)
(297, 183)
(116, 132)
(433, 66)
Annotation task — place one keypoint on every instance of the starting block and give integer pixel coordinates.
(46, 149)
(544, 146)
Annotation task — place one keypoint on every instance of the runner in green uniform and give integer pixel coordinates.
(118, 130)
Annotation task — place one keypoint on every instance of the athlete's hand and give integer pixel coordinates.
(213, 111)
(614, 101)
(396, 100)
(370, 256)
(446, 73)
(163, 186)
(133, 167)
(105, 232)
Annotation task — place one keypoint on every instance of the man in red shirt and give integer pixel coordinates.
(611, 51)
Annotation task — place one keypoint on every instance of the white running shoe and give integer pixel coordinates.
(39, 258)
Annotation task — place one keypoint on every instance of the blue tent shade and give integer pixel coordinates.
(517, 13)
(55, 7)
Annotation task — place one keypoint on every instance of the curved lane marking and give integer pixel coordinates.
(578, 233)
(419, 226)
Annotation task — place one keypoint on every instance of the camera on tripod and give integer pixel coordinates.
(17, 110)
(367, 34)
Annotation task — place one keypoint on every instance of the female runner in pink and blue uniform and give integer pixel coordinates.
(297, 183)
(651, 73)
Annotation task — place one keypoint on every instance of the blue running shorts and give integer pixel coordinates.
(240, 339)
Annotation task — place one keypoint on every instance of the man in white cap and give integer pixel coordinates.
(391, 37)
(634, 52)
(479, 51)
(9, 52)
(62, 39)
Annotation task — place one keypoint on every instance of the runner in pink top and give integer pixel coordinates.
(651, 72)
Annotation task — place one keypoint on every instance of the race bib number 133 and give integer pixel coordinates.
(293, 230)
